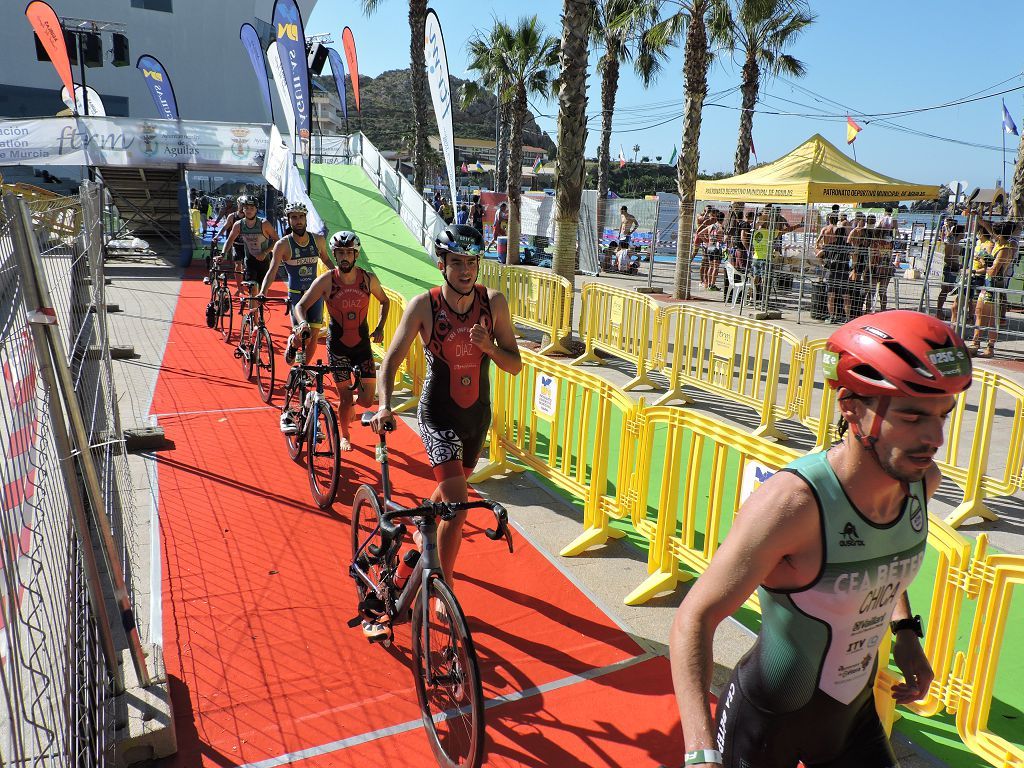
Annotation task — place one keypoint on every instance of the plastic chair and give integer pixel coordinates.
(733, 288)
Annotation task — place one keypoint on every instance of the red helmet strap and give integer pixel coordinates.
(868, 441)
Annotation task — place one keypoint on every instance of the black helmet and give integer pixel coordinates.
(459, 238)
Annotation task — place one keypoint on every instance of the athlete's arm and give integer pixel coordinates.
(236, 229)
(779, 519)
(318, 290)
(321, 249)
(414, 320)
(271, 235)
(377, 290)
(501, 345)
(229, 222)
(280, 251)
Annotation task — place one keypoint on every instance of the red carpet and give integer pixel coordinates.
(256, 600)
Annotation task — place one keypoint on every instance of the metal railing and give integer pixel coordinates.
(68, 513)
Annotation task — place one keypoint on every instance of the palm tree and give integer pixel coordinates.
(519, 61)
(691, 17)
(572, 134)
(760, 30)
(621, 34)
(418, 65)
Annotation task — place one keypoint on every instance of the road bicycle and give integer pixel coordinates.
(219, 311)
(312, 424)
(255, 344)
(445, 668)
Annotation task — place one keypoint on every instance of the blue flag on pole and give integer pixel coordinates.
(1008, 124)
(251, 41)
(160, 88)
(291, 44)
(338, 68)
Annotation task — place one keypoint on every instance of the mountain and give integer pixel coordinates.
(387, 115)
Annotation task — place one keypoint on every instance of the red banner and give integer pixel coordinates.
(349, 41)
(44, 21)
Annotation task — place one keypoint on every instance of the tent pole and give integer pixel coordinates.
(803, 264)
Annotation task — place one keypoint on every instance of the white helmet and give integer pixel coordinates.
(344, 239)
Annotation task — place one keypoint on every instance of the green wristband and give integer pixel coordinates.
(702, 756)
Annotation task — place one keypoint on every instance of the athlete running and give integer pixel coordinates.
(463, 327)
(258, 237)
(346, 291)
(831, 544)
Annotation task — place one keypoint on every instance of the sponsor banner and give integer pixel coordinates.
(291, 47)
(251, 40)
(440, 92)
(545, 398)
(130, 141)
(282, 174)
(538, 216)
(754, 476)
(331, 150)
(349, 42)
(47, 27)
(277, 70)
(338, 69)
(160, 89)
(96, 108)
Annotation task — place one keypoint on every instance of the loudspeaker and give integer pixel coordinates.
(317, 58)
(69, 43)
(92, 50)
(121, 56)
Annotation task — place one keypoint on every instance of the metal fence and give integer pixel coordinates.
(68, 514)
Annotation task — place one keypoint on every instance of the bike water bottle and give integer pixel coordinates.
(405, 567)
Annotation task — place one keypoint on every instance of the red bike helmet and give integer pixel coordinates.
(898, 354)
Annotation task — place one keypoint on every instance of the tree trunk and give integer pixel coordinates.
(501, 153)
(609, 88)
(417, 25)
(749, 88)
(515, 173)
(572, 135)
(695, 79)
(1016, 201)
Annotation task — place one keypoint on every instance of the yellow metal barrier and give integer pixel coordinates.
(540, 299)
(61, 215)
(993, 405)
(561, 422)
(621, 323)
(414, 368)
(718, 466)
(537, 298)
(735, 357)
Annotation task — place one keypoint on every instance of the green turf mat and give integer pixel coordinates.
(346, 199)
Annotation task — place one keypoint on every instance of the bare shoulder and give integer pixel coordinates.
(496, 297)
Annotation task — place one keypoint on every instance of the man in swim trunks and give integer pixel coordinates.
(463, 327)
(831, 544)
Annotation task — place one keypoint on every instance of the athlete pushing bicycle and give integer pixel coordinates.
(463, 327)
(346, 292)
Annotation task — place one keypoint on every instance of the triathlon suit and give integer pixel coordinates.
(805, 690)
(255, 243)
(300, 272)
(455, 407)
(348, 338)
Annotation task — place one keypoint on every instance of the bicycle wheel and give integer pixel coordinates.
(225, 313)
(323, 456)
(263, 359)
(447, 679)
(366, 540)
(293, 402)
(245, 345)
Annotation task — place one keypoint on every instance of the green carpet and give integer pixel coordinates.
(346, 199)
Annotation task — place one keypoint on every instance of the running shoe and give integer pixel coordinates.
(288, 425)
(374, 630)
(289, 350)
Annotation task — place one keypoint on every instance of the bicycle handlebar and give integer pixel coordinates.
(446, 511)
(261, 299)
(347, 370)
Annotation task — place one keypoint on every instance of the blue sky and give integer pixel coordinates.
(869, 57)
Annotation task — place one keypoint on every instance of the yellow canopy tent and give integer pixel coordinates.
(814, 172)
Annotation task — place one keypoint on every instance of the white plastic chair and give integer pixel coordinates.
(733, 288)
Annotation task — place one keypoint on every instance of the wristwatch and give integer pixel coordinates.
(702, 756)
(913, 624)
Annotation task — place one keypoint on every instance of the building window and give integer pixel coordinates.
(154, 5)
